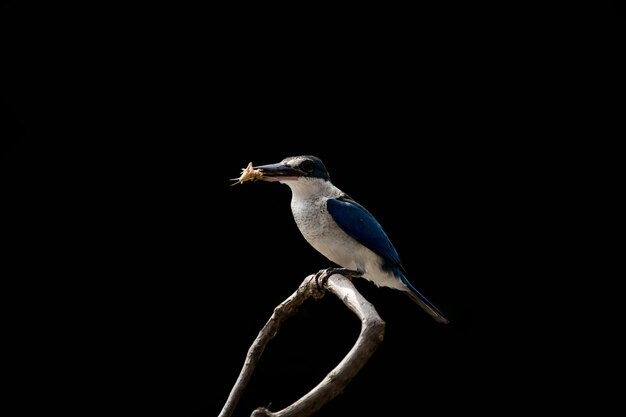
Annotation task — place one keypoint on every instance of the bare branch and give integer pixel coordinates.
(281, 313)
(372, 332)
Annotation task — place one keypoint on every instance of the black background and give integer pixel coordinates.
(139, 277)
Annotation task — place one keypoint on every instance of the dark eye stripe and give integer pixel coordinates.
(307, 166)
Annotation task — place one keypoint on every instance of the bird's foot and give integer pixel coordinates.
(324, 274)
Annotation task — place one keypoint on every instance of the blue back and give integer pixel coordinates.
(357, 222)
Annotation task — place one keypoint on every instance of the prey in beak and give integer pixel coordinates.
(271, 173)
(278, 172)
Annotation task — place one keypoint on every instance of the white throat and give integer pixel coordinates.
(307, 188)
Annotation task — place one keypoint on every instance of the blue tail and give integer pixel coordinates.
(423, 301)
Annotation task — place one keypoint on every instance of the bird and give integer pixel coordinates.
(340, 228)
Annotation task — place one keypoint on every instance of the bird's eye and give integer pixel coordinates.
(307, 166)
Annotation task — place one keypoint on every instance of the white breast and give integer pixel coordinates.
(308, 205)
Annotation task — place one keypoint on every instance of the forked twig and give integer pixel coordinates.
(370, 337)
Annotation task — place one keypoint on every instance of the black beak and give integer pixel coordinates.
(278, 172)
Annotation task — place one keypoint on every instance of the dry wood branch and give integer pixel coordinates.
(370, 337)
(281, 313)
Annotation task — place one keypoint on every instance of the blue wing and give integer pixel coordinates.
(357, 222)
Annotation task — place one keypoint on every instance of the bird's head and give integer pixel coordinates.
(294, 169)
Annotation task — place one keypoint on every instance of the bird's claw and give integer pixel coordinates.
(321, 275)
(324, 274)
